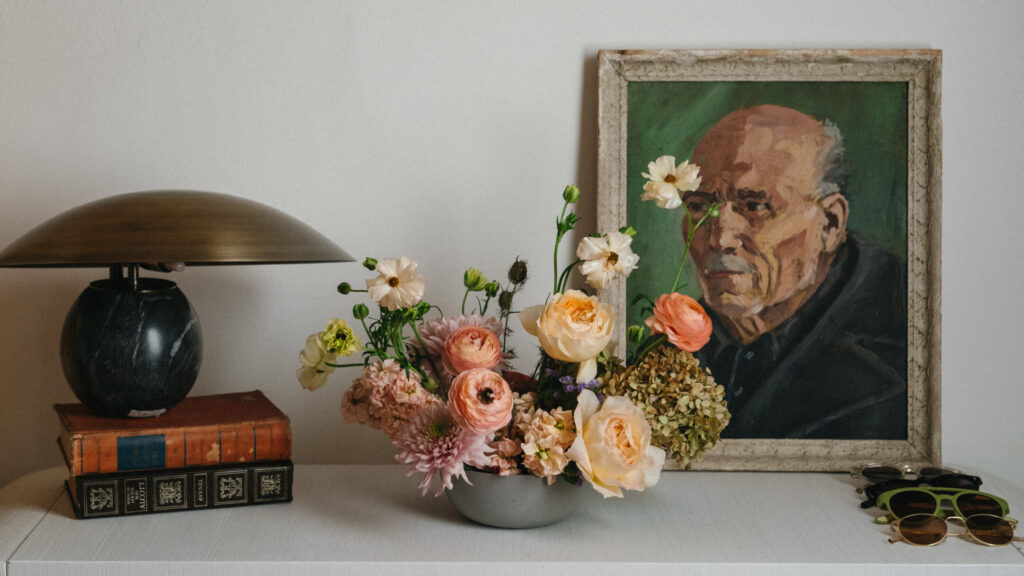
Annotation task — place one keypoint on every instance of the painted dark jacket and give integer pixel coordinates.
(836, 369)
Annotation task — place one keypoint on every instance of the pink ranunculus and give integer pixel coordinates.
(471, 347)
(480, 400)
(682, 319)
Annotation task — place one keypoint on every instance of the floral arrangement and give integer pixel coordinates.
(444, 390)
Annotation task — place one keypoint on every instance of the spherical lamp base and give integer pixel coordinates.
(131, 351)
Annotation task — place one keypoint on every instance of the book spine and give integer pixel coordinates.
(107, 452)
(196, 488)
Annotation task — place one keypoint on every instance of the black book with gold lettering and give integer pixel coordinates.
(169, 490)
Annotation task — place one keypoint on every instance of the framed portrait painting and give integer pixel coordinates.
(811, 239)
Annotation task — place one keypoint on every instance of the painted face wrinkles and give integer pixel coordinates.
(764, 252)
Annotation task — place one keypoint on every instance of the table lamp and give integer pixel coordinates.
(132, 346)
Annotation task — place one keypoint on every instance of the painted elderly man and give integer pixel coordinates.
(809, 320)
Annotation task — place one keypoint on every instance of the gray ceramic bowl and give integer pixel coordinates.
(524, 501)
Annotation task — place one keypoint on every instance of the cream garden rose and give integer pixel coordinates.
(572, 327)
(613, 445)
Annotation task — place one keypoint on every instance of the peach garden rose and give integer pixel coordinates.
(572, 327)
(682, 320)
(480, 400)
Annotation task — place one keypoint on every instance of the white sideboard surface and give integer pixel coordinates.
(373, 520)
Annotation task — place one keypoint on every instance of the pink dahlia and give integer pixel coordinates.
(433, 442)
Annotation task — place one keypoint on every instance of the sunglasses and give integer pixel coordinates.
(904, 502)
(961, 481)
(875, 473)
(929, 530)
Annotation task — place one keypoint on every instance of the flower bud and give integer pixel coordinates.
(517, 272)
(430, 385)
(714, 213)
(505, 301)
(628, 231)
(360, 311)
(370, 264)
(344, 288)
(635, 333)
(474, 280)
(492, 288)
(571, 194)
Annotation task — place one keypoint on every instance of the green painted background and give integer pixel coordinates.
(669, 118)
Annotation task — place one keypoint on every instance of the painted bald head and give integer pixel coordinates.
(777, 174)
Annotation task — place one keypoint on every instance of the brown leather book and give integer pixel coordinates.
(198, 431)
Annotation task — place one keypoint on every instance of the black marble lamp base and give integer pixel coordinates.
(131, 352)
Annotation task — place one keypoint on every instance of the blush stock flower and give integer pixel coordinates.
(385, 397)
(682, 320)
(613, 445)
(481, 401)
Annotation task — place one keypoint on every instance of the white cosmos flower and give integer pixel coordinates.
(606, 257)
(398, 286)
(666, 181)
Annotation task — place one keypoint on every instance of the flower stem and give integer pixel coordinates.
(368, 333)
(464, 297)
(564, 278)
(689, 238)
(558, 240)
(649, 345)
(333, 365)
(430, 359)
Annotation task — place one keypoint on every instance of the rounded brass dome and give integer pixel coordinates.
(191, 227)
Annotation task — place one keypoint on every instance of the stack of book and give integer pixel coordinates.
(206, 452)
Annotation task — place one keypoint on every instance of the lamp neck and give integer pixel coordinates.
(117, 274)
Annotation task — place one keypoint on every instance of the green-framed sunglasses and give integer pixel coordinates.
(903, 502)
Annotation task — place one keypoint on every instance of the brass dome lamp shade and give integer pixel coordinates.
(132, 346)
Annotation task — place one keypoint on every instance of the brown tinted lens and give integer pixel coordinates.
(880, 473)
(992, 530)
(971, 504)
(923, 529)
(912, 502)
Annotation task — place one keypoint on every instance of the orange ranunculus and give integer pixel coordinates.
(480, 400)
(682, 319)
(471, 347)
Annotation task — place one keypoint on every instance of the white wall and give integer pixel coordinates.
(444, 131)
